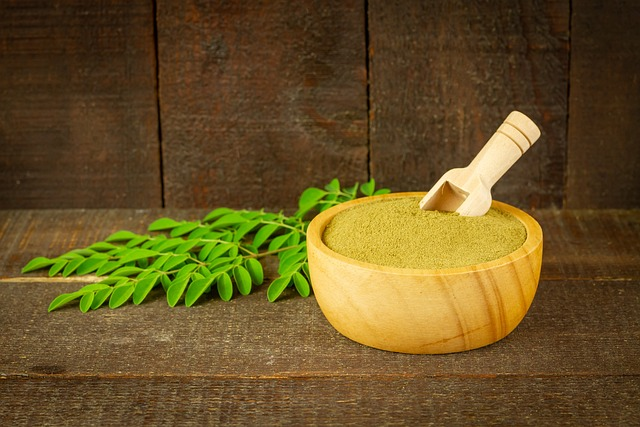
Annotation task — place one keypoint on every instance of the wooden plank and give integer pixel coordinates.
(445, 74)
(410, 400)
(604, 109)
(590, 244)
(568, 323)
(260, 100)
(581, 244)
(78, 117)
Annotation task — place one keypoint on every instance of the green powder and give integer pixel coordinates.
(395, 232)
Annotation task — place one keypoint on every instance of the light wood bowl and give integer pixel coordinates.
(424, 311)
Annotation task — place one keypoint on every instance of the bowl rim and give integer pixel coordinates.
(319, 223)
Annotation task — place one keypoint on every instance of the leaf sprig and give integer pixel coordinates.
(221, 252)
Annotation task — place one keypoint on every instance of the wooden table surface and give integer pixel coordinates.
(574, 359)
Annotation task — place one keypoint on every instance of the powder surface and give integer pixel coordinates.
(395, 232)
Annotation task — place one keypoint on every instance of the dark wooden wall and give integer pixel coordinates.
(144, 103)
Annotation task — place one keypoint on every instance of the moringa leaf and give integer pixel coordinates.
(263, 234)
(144, 286)
(309, 199)
(277, 287)
(368, 187)
(175, 291)
(120, 294)
(86, 301)
(225, 289)
(102, 247)
(174, 261)
(63, 299)
(228, 220)
(301, 284)
(121, 236)
(72, 266)
(163, 224)
(107, 267)
(126, 271)
(91, 264)
(183, 229)
(242, 279)
(255, 270)
(137, 254)
(216, 213)
(196, 289)
(100, 297)
(37, 264)
(57, 267)
(333, 186)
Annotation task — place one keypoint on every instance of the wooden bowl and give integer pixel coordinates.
(424, 311)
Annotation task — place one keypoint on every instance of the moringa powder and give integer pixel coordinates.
(395, 232)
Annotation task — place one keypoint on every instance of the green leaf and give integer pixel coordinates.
(301, 284)
(225, 289)
(206, 250)
(136, 241)
(121, 294)
(186, 269)
(86, 301)
(72, 266)
(279, 241)
(196, 289)
(368, 187)
(121, 236)
(100, 297)
(174, 261)
(102, 247)
(163, 224)
(263, 234)
(219, 250)
(91, 264)
(175, 291)
(63, 299)
(137, 254)
(144, 286)
(255, 270)
(185, 228)
(242, 279)
(228, 220)
(126, 271)
(333, 186)
(287, 264)
(309, 199)
(244, 229)
(187, 246)
(159, 262)
(37, 264)
(94, 287)
(277, 287)
(57, 267)
(168, 244)
(107, 267)
(216, 213)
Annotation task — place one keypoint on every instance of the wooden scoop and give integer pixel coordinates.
(468, 190)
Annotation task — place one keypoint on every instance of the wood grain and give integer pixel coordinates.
(260, 100)
(572, 360)
(581, 244)
(250, 337)
(604, 137)
(443, 76)
(78, 118)
(570, 400)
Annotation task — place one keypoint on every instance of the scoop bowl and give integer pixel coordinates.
(424, 311)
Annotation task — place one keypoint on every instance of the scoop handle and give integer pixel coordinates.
(512, 139)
